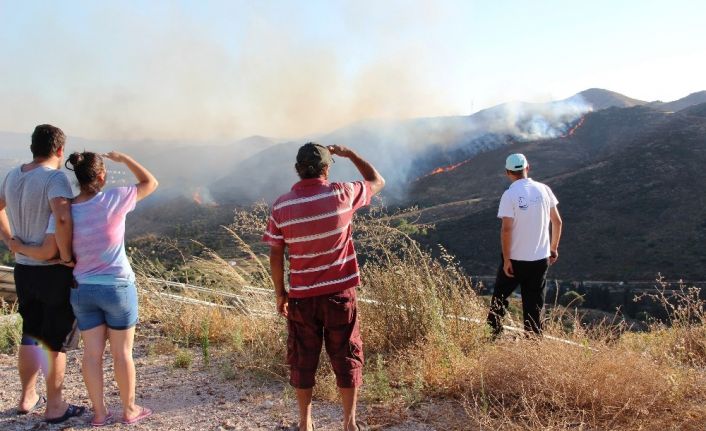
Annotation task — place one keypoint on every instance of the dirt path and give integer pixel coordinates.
(198, 398)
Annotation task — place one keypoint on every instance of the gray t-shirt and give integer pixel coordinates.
(26, 196)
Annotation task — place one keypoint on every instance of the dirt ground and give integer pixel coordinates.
(201, 398)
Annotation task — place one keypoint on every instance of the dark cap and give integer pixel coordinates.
(311, 154)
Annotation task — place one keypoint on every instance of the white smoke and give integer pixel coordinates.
(405, 150)
(172, 79)
(535, 121)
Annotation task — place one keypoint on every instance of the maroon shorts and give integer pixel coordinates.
(331, 319)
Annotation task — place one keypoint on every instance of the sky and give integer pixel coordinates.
(223, 70)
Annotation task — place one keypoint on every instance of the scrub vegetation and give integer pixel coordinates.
(425, 342)
(10, 327)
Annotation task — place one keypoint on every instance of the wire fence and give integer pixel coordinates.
(252, 301)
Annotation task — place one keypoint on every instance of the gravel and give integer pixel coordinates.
(198, 398)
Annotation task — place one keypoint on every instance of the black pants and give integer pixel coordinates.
(531, 277)
(43, 295)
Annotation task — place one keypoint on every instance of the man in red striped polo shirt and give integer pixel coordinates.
(313, 221)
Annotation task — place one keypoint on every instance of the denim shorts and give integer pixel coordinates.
(113, 305)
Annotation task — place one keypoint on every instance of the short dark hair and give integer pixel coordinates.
(516, 174)
(87, 166)
(47, 140)
(308, 171)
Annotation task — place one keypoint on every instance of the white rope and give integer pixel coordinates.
(259, 313)
(9, 319)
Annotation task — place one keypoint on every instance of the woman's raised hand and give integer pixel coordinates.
(115, 156)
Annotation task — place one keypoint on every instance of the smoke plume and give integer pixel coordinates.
(179, 80)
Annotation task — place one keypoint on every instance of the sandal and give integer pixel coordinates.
(296, 427)
(362, 426)
(40, 402)
(108, 419)
(71, 412)
(144, 413)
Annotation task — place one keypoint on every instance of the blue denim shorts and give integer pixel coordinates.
(113, 305)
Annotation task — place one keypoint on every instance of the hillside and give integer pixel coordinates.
(599, 135)
(579, 165)
(408, 149)
(617, 227)
(683, 103)
(599, 99)
(625, 182)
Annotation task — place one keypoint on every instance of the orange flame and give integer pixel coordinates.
(204, 199)
(197, 198)
(443, 169)
(575, 128)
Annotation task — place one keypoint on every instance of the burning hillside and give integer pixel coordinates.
(574, 128)
(443, 169)
(491, 142)
(202, 197)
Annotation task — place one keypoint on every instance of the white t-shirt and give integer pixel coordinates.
(528, 203)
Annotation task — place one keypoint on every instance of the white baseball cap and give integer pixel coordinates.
(516, 162)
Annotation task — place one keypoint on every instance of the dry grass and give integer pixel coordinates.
(255, 342)
(418, 347)
(540, 385)
(681, 339)
(10, 330)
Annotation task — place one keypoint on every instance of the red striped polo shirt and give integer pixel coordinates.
(313, 220)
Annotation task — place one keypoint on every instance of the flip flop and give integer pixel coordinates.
(362, 426)
(71, 412)
(296, 427)
(145, 413)
(108, 419)
(40, 401)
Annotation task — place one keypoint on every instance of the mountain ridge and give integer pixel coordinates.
(623, 220)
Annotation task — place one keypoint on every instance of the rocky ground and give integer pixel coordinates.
(203, 397)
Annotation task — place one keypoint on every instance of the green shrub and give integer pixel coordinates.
(183, 359)
(10, 336)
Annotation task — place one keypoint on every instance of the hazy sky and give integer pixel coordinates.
(228, 69)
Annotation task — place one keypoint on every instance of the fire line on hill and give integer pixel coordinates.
(442, 169)
(575, 128)
(449, 168)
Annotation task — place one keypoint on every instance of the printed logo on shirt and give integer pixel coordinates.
(524, 204)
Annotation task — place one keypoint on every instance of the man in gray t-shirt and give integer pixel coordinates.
(29, 194)
(28, 197)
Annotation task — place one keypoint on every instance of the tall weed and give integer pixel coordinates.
(424, 338)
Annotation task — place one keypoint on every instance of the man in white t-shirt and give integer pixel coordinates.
(526, 208)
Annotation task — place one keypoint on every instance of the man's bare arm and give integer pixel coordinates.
(506, 241)
(556, 234)
(5, 232)
(368, 171)
(61, 208)
(277, 268)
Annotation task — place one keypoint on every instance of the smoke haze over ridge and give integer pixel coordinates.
(226, 70)
(178, 81)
